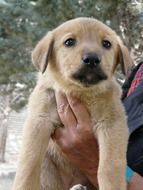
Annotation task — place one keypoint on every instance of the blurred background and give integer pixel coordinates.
(22, 24)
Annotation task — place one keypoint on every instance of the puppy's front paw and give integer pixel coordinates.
(78, 187)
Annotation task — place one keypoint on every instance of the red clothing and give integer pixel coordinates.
(136, 81)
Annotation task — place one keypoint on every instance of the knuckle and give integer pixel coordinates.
(66, 147)
(76, 140)
(85, 128)
(70, 144)
(62, 108)
(74, 102)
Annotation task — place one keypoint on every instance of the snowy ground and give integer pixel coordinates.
(7, 169)
(7, 172)
(6, 183)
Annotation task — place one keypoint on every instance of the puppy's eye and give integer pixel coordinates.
(70, 42)
(106, 44)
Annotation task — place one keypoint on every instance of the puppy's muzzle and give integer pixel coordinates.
(90, 71)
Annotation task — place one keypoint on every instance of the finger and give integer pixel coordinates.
(58, 133)
(59, 136)
(79, 110)
(65, 112)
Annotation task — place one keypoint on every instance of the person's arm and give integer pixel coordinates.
(82, 148)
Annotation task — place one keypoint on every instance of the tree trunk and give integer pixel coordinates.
(3, 138)
(5, 111)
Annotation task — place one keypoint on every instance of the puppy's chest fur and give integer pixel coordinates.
(102, 107)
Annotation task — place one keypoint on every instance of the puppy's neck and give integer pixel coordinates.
(103, 89)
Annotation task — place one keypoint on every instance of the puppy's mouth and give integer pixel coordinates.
(89, 76)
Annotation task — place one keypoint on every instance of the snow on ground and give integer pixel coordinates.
(7, 169)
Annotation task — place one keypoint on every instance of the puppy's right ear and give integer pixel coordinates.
(42, 52)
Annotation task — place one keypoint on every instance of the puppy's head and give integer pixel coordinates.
(81, 51)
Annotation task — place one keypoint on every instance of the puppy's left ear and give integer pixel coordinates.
(123, 58)
(42, 52)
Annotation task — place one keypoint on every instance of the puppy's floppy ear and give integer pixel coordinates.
(42, 52)
(123, 58)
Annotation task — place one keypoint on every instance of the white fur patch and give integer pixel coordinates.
(78, 187)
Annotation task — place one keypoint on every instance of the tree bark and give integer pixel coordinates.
(3, 138)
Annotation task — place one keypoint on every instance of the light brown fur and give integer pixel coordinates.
(102, 100)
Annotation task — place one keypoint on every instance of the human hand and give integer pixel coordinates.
(136, 182)
(76, 138)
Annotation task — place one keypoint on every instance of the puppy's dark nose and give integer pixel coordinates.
(91, 59)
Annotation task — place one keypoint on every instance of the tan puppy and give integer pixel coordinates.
(79, 58)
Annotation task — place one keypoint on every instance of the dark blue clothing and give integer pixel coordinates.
(134, 109)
